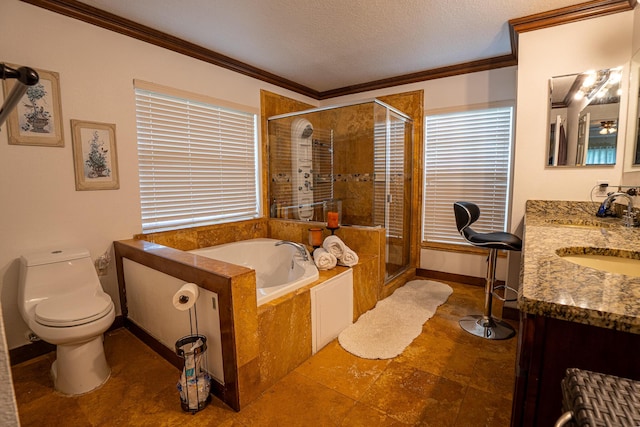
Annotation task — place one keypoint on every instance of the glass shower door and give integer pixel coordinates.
(392, 164)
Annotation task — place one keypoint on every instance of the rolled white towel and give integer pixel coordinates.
(349, 258)
(334, 245)
(324, 260)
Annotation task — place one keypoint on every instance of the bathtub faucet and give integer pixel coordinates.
(300, 247)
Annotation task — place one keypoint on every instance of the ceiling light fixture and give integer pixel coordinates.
(600, 84)
(589, 80)
(608, 127)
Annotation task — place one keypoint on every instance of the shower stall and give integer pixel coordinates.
(354, 158)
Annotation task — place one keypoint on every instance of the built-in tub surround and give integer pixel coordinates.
(235, 289)
(552, 286)
(572, 315)
(149, 297)
(279, 268)
(367, 242)
(189, 239)
(260, 343)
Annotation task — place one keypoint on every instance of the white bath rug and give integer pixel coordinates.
(386, 330)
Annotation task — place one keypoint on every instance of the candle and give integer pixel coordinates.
(332, 219)
(315, 237)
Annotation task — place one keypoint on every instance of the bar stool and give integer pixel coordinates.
(485, 325)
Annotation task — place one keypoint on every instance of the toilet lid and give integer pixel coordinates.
(72, 309)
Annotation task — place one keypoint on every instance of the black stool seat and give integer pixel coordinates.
(495, 240)
(486, 326)
(466, 214)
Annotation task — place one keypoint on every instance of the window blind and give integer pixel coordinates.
(198, 162)
(467, 158)
(396, 178)
(379, 173)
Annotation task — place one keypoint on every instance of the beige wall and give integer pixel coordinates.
(567, 49)
(596, 43)
(40, 206)
(97, 68)
(41, 209)
(586, 45)
(469, 89)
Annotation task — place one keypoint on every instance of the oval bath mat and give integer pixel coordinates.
(386, 330)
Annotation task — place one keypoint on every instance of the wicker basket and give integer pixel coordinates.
(595, 399)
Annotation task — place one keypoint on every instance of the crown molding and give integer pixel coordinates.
(109, 21)
(435, 73)
(565, 15)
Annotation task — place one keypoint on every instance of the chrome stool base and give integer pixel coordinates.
(488, 328)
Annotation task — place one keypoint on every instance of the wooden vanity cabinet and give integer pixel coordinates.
(547, 347)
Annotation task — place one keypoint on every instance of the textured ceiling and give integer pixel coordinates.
(329, 44)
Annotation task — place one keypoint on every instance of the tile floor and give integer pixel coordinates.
(446, 377)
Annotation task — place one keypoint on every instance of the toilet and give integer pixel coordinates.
(62, 301)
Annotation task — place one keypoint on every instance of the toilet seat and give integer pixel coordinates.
(72, 309)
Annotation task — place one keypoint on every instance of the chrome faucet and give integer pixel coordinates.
(300, 247)
(629, 220)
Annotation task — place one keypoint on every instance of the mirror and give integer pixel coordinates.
(632, 154)
(583, 118)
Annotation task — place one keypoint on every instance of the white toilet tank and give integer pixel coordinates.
(55, 273)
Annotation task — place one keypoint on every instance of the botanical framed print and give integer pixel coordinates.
(37, 119)
(95, 156)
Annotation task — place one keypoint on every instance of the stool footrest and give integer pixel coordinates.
(488, 328)
(505, 288)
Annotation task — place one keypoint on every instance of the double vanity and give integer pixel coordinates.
(579, 301)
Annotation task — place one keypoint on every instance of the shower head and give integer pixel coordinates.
(308, 130)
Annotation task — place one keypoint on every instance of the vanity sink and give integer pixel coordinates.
(619, 263)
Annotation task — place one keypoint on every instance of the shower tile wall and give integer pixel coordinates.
(280, 169)
(352, 129)
(411, 103)
(209, 235)
(272, 104)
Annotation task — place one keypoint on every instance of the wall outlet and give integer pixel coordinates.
(601, 189)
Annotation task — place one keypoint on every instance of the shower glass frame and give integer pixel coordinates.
(361, 156)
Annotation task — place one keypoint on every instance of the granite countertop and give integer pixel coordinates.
(554, 287)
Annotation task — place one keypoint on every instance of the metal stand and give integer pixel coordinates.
(485, 326)
(194, 390)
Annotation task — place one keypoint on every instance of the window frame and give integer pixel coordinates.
(252, 114)
(465, 247)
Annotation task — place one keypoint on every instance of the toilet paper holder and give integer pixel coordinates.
(186, 297)
(195, 383)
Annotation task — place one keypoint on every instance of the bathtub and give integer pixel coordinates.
(279, 269)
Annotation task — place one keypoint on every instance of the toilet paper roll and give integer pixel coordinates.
(186, 296)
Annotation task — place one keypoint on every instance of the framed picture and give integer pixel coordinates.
(37, 119)
(94, 154)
